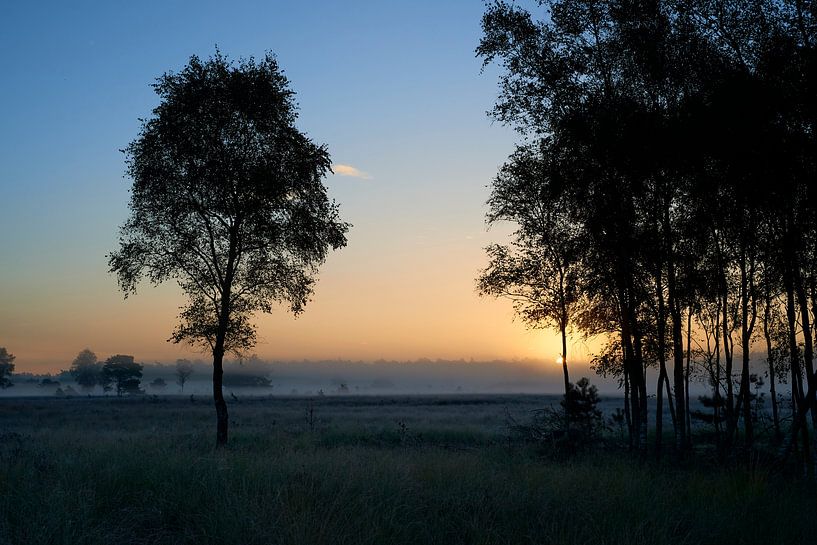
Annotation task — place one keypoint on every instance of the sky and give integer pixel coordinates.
(393, 89)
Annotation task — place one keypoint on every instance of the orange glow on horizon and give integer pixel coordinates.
(391, 294)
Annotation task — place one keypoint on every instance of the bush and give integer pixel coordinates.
(580, 407)
(575, 426)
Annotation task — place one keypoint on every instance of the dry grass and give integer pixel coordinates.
(371, 471)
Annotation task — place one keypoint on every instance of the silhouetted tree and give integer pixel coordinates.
(564, 80)
(183, 371)
(105, 381)
(580, 405)
(124, 373)
(158, 383)
(228, 201)
(6, 367)
(682, 146)
(539, 270)
(86, 370)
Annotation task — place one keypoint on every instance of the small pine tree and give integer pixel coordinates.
(580, 407)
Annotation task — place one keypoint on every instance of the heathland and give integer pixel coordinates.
(354, 469)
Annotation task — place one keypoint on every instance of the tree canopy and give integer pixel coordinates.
(228, 201)
(124, 373)
(678, 144)
(184, 369)
(86, 369)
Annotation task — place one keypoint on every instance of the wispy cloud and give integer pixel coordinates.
(349, 170)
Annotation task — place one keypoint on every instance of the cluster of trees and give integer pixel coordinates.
(664, 195)
(119, 372)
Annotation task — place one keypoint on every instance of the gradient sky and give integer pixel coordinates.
(393, 89)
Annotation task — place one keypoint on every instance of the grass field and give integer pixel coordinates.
(358, 470)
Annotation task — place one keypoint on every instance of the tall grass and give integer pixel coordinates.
(104, 471)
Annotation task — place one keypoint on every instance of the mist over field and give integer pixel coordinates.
(258, 377)
(337, 377)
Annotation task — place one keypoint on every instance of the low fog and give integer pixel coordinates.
(256, 377)
(303, 378)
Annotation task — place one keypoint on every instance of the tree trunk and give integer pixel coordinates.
(770, 361)
(659, 413)
(678, 359)
(567, 403)
(221, 337)
(677, 335)
(686, 377)
(627, 412)
(218, 397)
(670, 403)
(794, 349)
(802, 402)
(564, 361)
(633, 370)
(642, 390)
(727, 350)
(727, 354)
(808, 347)
(662, 367)
(717, 386)
(745, 341)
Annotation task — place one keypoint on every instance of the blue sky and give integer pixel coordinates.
(393, 89)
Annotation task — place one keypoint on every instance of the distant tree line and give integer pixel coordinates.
(665, 200)
(120, 373)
